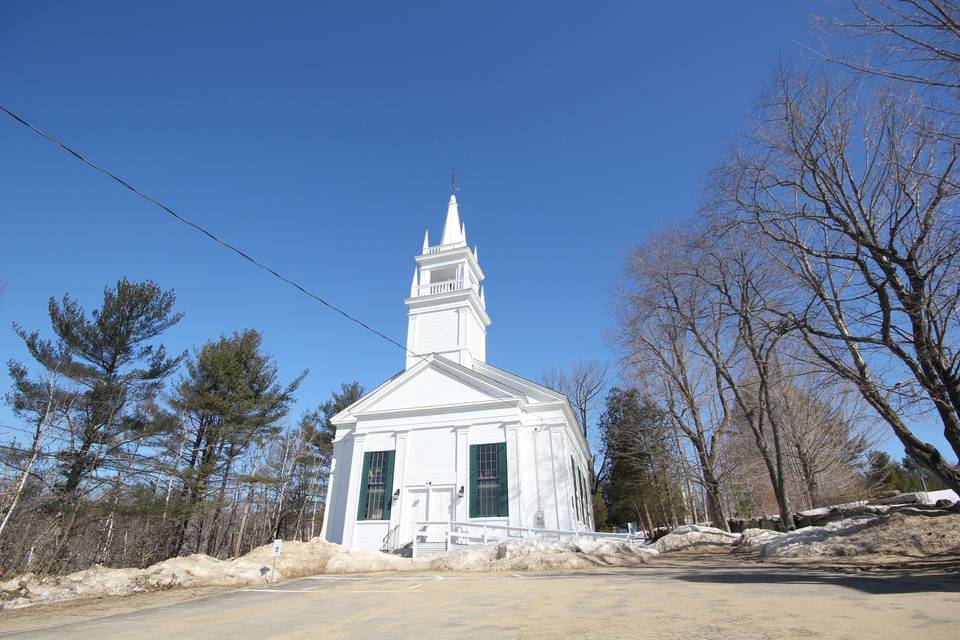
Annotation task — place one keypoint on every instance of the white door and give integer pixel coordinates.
(415, 509)
(441, 504)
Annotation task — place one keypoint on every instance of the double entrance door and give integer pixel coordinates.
(423, 503)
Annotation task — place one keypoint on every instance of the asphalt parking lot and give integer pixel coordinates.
(690, 598)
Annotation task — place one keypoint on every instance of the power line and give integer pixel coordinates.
(203, 230)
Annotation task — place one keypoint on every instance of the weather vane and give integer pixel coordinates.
(453, 182)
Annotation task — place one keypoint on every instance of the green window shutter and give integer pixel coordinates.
(474, 476)
(583, 495)
(388, 486)
(504, 501)
(576, 490)
(364, 479)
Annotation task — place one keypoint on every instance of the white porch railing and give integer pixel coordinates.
(444, 247)
(442, 287)
(438, 536)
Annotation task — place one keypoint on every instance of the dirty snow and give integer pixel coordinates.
(298, 559)
(899, 534)
(311, 558)
(756, 539)
(914, 533)
(541, 555)
(694, 536)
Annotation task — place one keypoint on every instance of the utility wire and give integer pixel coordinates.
(203, 230)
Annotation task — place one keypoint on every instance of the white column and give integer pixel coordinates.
(397, 511)
(514, 474)
(353, 490)
(328, 506)
(463, 471)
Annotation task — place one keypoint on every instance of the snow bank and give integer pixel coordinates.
(899, 534)
(310, 558)
(541, 555)
(694, 536)
(757, 539)
(298, 559)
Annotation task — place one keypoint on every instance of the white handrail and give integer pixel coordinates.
(524, 532)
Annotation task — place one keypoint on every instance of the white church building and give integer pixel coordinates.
(451, 438)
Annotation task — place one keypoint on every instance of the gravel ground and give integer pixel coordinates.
(678, 596)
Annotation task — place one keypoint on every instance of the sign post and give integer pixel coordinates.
(277, 543)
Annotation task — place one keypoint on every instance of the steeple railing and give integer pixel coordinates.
(442, 287)
(444, 247)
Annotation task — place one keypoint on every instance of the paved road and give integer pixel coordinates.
(672, 600)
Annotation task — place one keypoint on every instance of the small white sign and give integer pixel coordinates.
(276, 546)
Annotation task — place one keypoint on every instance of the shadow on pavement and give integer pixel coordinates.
(932, 574)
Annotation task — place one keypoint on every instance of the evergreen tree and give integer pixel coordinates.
(229, 399)
(640, 486)
(114, 369)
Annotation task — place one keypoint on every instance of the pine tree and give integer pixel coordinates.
(114, 370)
(230, 399)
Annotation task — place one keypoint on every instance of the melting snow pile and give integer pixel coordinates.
(542, 555)
(297, 559)
(693, 536)
(899, 534)
(310, 558)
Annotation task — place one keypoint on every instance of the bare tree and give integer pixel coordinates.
(858, 200)
(583, 384)
(42, 403)
(913, 41)
(662, 311)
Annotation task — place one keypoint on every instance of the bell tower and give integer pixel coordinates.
(446, 310)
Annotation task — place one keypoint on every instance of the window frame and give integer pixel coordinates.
(495, 505)
(365, 509)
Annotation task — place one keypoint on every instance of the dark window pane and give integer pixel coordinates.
(376, 477)
(488, 480)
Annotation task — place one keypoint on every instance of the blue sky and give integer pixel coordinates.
(319, 137)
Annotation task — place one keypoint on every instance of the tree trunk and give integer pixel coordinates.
(34, 452)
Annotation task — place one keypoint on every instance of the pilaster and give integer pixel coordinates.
(397, 512)
(515, 475)
(463, 471)
(353, 490)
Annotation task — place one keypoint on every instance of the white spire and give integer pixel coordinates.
(426, 241)
(463, 231)
(452, 232)
(414, 285)
(476, 252)
(483, 298)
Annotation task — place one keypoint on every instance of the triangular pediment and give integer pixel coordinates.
(434, 382)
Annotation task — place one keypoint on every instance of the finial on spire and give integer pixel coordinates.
(453, 181)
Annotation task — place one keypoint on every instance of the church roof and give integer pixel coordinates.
(481, 383)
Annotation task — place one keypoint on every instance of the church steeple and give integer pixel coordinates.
(447, 307)
(452, 228)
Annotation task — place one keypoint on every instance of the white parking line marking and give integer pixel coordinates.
(324, 592)
(384, 578)
(410, 588)
(284, 590)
